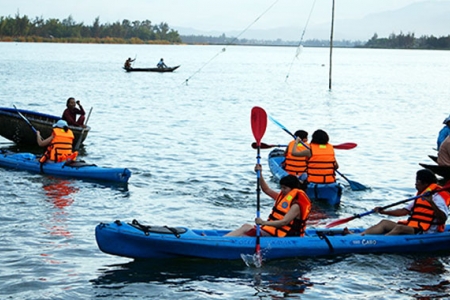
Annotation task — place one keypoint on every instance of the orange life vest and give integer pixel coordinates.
(295, 165)
(321, 164)
(422, 215)
(282, 205)
(60, 148)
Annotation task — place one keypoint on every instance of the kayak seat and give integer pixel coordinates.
(147, 229)
(77, 164)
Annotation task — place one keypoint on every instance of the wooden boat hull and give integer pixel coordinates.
(14, 128)
(76, 169)
(159, 70)
(136, 241)
(443, 171)
(329, 193)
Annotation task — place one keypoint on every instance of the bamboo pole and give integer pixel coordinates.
(331, 46)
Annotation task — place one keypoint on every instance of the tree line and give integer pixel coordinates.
(21, 28)
(24, 29)
(409, 41)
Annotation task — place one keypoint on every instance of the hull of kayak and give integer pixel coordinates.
(75, 169)
(137, 241)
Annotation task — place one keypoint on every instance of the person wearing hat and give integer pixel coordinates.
(427, 214)
(444, 132)
(71, 112)
(59, 144)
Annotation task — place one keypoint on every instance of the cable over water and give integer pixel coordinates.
(300, 46)
(231, 43)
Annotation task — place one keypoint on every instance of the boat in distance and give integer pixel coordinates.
(329, 193)
(71, 169)
(14, 128)
(159, 70)
(137, 241)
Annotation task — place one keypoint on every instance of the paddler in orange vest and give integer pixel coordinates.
(296, 165)
(59, 144)
(428, 214)
(321, 159)
(289, 213)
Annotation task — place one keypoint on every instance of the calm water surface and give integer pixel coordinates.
(188, 147)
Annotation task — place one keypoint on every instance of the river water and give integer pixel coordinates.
(186, 138)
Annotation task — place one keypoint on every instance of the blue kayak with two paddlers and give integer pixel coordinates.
(139, 241)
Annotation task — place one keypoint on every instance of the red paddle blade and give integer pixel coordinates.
(265, 146)
(339, 222)
(259, 123)
(345, 146)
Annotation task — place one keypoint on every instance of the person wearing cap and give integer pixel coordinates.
(161, 64)
(444, 132)
(59, 144)
(427, 214)
(71, 112)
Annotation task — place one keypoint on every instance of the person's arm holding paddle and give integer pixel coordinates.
(295, 152)
(264, 186)
(41, 142)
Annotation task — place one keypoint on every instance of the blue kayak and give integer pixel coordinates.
(327, 192)
(74, 169)
(137, 241)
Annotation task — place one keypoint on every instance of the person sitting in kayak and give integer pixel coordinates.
(444, 132)
(59, 144)
(127, 64)
(71, 112)
(161, 64)
(428, 214)
(296, 165)
(321, 159)
(289, 213)
(443, 158)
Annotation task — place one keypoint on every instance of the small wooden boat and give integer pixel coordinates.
(160, 70)
(73, 169)
(137, 241)
(14, 128)
(328, 192)
(443, 171)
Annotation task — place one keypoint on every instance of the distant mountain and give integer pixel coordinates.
(420, 18)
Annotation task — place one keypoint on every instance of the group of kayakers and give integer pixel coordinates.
(60, 143)
(316, 162)
(304, 162)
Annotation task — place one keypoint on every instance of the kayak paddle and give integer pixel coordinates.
(25, 119)
(343, 146)
(446, 187)
(355, 186)
(259, 125)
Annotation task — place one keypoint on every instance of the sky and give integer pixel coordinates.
(208, 15)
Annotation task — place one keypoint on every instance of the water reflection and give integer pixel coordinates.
(60, 193)
(283, 276)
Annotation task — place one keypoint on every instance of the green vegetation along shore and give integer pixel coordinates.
(22, 29)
